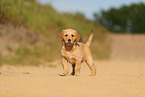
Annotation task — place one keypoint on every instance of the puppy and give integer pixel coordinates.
(75, 52)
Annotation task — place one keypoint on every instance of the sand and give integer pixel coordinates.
(115, 78)
(123, 75)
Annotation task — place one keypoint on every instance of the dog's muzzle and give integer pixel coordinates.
(69, 41)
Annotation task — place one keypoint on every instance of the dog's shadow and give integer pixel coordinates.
(66, 75)
(61, 74)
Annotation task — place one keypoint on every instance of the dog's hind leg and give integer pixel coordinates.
(91, 65)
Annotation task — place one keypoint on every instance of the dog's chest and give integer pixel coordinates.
(72, 57)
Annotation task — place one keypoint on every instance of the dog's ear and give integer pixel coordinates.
(77, 37)
(61, 36)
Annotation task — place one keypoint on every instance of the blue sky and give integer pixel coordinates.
(87, 7)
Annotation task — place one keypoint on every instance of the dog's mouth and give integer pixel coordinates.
(69, 42)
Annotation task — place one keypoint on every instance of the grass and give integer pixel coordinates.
(23, 55)
(46, 21)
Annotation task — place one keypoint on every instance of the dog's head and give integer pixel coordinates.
(69, 36)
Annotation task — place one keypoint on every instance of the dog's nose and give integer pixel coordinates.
(69, 40)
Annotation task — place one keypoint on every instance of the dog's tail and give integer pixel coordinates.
(90, 38)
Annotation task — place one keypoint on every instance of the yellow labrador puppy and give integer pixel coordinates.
(75, 52)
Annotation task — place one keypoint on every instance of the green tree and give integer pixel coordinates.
(124, 19)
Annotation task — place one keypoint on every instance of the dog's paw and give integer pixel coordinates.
(65, 73)
(77, 74)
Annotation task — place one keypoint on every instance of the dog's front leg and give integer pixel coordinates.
(77, 68)
(64, 65)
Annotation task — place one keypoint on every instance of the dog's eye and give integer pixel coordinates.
(72, 35)
(66, 35)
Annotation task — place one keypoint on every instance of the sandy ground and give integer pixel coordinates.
(121, 76)
(114, 79)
